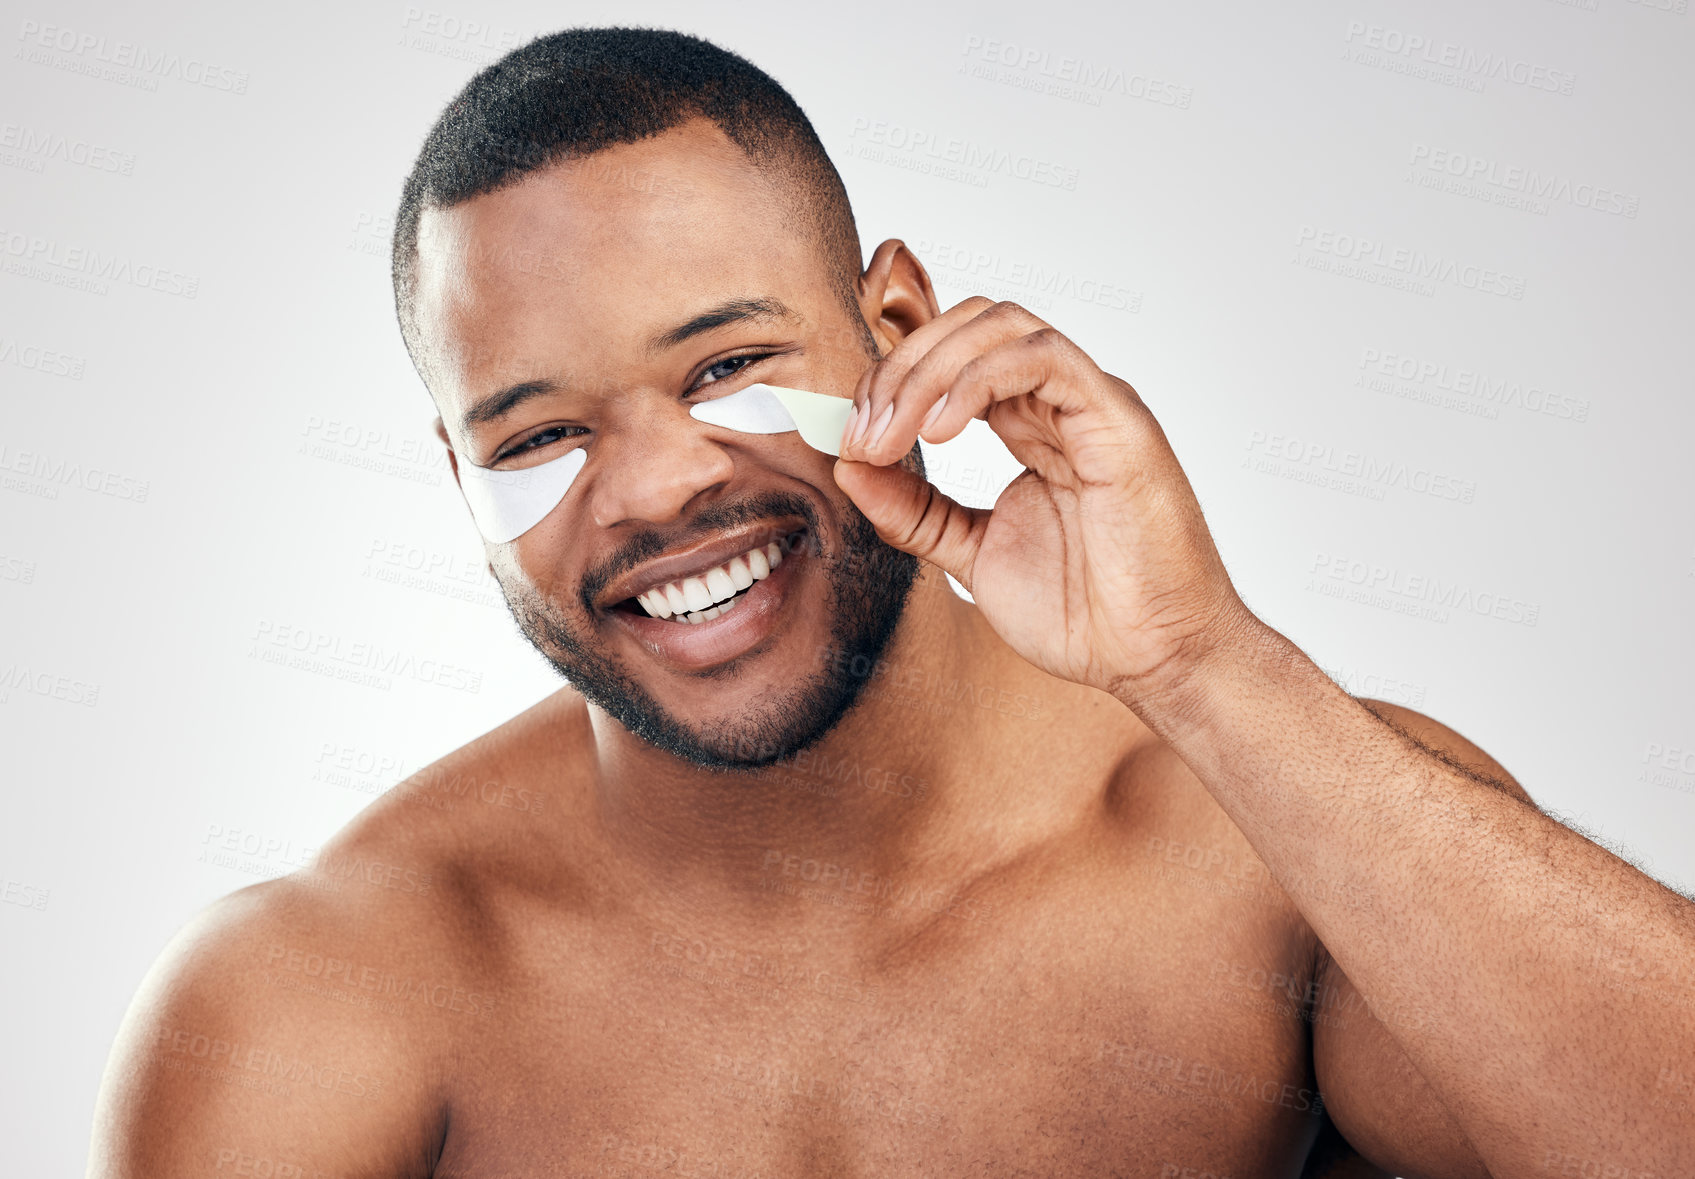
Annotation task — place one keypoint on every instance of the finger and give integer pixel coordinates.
(900, 398)
(1043, 363)
(901, 358)
(915, 516)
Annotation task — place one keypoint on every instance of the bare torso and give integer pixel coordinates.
(475, 983)
(1117, 994)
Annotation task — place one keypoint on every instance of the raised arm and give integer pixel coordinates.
(1434, 890)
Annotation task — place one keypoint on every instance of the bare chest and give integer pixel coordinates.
(1037, 1033)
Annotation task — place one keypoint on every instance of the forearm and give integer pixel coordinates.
(1446, 899)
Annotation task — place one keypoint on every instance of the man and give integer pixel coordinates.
(1098, 875)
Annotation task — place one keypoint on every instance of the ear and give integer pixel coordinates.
(440, 428)
(895, 295)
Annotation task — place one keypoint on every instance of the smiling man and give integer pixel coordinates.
(816, 868)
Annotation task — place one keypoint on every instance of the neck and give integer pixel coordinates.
(920, 774)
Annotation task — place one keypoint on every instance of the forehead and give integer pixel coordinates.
(579, 264)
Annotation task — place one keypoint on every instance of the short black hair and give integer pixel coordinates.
(570, 94)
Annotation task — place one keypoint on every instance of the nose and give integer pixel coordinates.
(653, 461)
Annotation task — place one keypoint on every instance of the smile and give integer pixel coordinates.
(717, 591)
(710, 615)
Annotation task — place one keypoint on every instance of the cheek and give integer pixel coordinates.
(534, 577)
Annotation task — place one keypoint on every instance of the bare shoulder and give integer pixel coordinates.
(1195, 861)
(254, 1037)
(501, 815)
(1444, 743)
(312, 1024)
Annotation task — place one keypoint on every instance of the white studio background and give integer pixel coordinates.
(1406, 284)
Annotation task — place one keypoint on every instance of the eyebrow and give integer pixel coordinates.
(730, 311)
(497, 405)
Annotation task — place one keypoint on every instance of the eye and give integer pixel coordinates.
(537, 441)
(726, 368)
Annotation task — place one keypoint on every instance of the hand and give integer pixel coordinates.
(1095, 563)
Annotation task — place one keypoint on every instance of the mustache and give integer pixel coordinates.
(708, 522)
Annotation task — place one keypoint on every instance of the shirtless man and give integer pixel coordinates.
(1099, 875)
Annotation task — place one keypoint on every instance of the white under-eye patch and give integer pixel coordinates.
(772, 409)
(507, 504)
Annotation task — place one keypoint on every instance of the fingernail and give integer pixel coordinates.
(881, 424)
(849, 427)
(862, 418)
(935, 412)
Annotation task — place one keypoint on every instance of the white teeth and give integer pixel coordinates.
(654, 603)
(718, 584)
(740, 575)
(700, 599)
(696, 594)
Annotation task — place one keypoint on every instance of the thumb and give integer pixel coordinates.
(915, 516)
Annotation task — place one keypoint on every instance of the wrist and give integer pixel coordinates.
(1185, 685)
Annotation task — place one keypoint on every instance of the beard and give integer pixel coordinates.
(868, 584)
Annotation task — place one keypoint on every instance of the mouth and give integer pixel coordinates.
(704, 596)
(716, 612)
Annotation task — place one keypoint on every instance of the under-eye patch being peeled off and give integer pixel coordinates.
(771, 409)
(507, 504)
